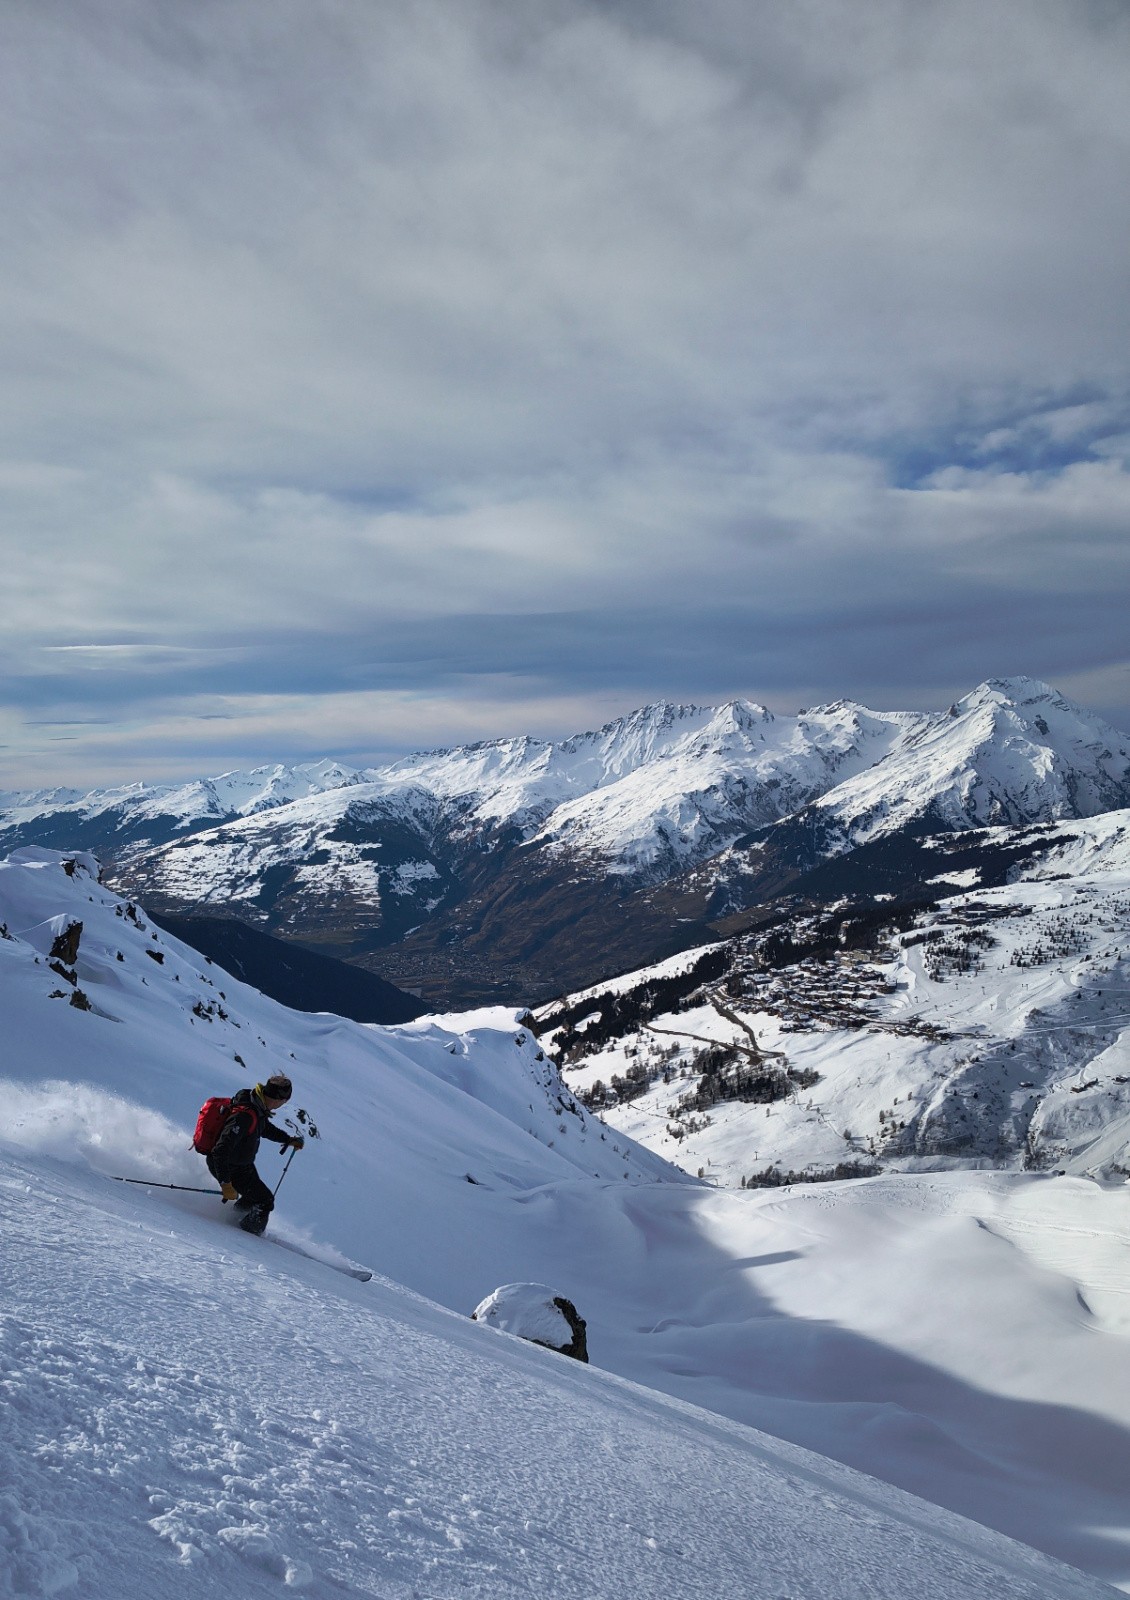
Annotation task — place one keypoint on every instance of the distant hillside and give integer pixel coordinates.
(299, 978)
(982, 1023)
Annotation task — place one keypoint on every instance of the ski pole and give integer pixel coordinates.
(149, 1184)
(285, 1170)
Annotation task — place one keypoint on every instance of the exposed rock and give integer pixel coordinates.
(532, 1311)
(65, 947)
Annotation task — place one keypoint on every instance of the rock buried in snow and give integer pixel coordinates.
(534, 1312)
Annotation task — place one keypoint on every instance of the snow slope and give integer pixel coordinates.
(666, 784)
(192, 1414)
(231, 794)
(741, 770)
(219, 1410)
(519, 868)
(324, 838)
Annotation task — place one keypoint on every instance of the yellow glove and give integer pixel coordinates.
(229, 1192)
(296, 1142)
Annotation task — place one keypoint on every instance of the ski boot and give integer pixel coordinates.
(255, 1219)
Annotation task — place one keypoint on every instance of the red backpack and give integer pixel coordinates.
(209, 1124)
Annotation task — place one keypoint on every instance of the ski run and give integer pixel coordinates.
(914, 1384)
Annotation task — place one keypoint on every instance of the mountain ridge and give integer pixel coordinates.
(517, 868)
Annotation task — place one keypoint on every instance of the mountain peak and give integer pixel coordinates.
(1012, 751)
(1015, 691)
(744, 715)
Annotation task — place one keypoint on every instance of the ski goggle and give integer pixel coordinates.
(278, 1089)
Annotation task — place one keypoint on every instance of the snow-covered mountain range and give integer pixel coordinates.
(208, 1412)
(522, 867)
(163, 807)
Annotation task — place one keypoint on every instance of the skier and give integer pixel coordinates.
(231, 1160)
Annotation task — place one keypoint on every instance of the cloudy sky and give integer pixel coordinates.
(389, 373)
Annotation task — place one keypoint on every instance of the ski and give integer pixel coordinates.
(361, 1274)
(348, 1268)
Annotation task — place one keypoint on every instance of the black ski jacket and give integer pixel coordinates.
(238, 1144)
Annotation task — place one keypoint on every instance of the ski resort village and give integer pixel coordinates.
(789, 1262)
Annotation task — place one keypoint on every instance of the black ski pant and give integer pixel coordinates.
(249, 1186)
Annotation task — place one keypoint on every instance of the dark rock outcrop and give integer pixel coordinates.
(532, 1311)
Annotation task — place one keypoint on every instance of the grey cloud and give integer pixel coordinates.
(341, 231)
(340, 322)
(955, 635)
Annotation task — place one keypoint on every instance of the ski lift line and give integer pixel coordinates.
(641, 1111)
(666, 1116)
(1075, 1027)
(1056, 1027)
(880, 1024)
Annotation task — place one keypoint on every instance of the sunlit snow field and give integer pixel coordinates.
(206, 1411)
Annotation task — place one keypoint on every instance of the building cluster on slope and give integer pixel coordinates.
(926, 1040)
(824, 992)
